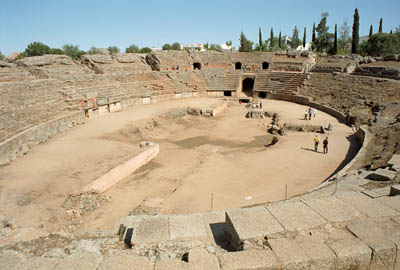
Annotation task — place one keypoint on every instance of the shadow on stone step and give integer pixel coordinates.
(219, 233)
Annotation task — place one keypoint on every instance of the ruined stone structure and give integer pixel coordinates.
(342, 224)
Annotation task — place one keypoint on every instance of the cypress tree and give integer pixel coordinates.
(271, 39)
(313, 36)
(391, 31)
(304, 38)
(370, 32)
(280, 40)
(380, 26)
(356, 37)
(259, 38)
(335, 42)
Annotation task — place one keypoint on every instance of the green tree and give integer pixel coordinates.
(113, 49)
(92, 50)
(166, 47)
(260, 42)
(313, 36)
(355, 37)
(215, 47)
(271, 39)
(397, 29)
(323, 42)
(370, 31)
(2, 57)
(176, 46)
(228, 43)
(295, 38)
(73, 51)
(37, 49)
(245, 44)
(280, 40)
(132, 49)
(344, 36)
(304, 37)
(145, 50)
(56, 51)
(381, 44)
(335, 42)
(380, 26)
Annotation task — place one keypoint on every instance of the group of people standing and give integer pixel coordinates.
(324, 143)
(309, 113)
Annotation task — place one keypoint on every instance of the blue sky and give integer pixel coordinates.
(150, 23)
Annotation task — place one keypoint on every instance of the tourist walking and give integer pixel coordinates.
(316, 143)
(325, 144)
(314, 112)
(306, 115)
(310, 111)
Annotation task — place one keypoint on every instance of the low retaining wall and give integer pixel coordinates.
(116, 174)
(305, 101)
(20, 144)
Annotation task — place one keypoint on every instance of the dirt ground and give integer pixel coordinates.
(204, 163)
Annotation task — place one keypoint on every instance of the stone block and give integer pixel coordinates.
(37, 263)
(171, 264)
(250, 223)
(378, 192)
(125, 261)
(383, 250)
(10, 259)
(366, 205)
(151, 229)
(215, 225)
(395, 160)
(322, 257)
(296, 216)
(186, 227)
(290, 253)
(4, 160)
(351, 254)
(200, 258)
(80, 260)
(391, 201)
(382, 175)
(395, 190)
(250, 259)
(333, 209)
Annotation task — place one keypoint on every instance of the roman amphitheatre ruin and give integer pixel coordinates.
(199, 160)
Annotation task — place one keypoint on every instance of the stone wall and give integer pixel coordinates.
(20, 144)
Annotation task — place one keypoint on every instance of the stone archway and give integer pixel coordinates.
(196, 65)
(247, 86)
(265, 65)
(238, 65)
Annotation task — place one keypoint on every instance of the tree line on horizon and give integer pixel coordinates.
(323, 41)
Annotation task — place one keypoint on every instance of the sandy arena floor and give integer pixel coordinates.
(200, 157)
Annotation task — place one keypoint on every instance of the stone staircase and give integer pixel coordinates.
(334, 227)
(279, 82)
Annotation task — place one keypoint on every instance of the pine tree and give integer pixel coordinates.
(295, 38)
(335, 41)
(391, 31)
(271, 39)
(245, 44)
(280, 40)
(380, 26)
(313, 36)
(356, 37)
(304, 38)
(259, 38)
(370, 32)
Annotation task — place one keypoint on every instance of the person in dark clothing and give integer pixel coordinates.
(325, 144)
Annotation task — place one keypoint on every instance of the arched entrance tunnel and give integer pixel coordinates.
(196, 65)
(238, 65)
(247, 86)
